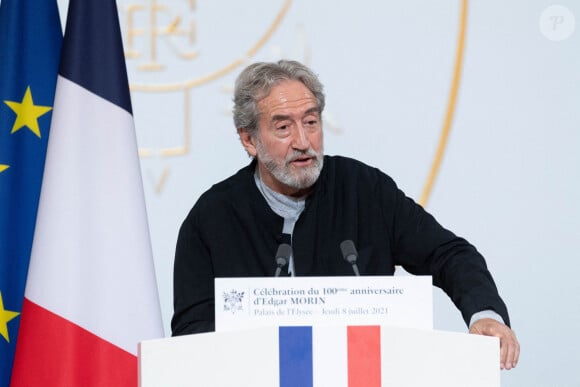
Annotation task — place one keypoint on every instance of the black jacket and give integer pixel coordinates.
(232, 232)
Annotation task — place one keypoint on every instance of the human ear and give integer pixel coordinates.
(248, 141)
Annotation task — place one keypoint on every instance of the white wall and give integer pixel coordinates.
(510, 179)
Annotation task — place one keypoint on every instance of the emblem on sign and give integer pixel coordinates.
(233, 301)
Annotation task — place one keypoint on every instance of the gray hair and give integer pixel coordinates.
(257, 80)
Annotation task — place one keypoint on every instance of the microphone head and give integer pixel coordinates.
(348, 250)
(283, 254)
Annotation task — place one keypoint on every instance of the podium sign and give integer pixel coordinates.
(242, 303)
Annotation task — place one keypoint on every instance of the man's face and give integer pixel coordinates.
(288, 145)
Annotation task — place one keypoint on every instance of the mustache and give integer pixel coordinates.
(296, 154)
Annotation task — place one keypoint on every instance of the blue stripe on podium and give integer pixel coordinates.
(295, 356)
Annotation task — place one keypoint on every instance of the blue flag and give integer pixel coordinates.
(30, 43)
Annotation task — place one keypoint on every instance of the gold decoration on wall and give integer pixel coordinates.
(186, 86)
(221, 71)
(451, 105)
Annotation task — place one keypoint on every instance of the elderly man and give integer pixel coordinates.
(291, 192)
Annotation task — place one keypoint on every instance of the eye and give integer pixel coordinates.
(282, 129)
(311, 121)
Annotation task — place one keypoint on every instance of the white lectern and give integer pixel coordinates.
(333, 356)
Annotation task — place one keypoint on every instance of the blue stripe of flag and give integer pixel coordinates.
(295, 345)
(93, 51)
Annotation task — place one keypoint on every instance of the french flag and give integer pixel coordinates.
(286, 356)
(353, 361)
(91, 294)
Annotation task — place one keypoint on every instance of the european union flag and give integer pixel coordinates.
(30, 42)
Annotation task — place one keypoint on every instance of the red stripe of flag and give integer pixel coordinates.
(364, 356)
(67, 355)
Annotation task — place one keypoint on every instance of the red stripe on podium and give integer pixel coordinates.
(53, 351)
(364, 356)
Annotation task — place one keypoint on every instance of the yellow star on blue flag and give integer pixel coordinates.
(30, 43)
(27, 113)
(5, 317)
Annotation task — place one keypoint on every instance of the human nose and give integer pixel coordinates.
(300, 138)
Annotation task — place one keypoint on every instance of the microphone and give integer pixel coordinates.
(282, 257)
(349, 254)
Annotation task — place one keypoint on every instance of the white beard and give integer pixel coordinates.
(283, 170)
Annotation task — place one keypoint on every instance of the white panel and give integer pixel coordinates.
(329, 356)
